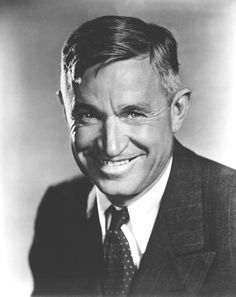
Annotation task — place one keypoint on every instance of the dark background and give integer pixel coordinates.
(34, 143)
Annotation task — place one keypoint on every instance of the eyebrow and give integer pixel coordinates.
(142, 106)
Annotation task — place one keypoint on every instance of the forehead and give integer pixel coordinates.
(128, 80)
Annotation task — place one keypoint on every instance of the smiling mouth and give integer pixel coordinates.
(114, 166)
(110, 163)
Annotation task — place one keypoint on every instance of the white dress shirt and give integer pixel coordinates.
(142, 213)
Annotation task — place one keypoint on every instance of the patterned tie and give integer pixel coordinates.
(118, 263)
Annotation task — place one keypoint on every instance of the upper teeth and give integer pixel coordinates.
(114, 163)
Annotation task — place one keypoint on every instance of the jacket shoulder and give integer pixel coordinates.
(76, 188)
(217, 181)
(73, 185)
(218, 196)
(63, 201)
(218, 176)
(212, 170)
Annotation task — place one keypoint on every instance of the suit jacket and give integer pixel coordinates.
(191, 251)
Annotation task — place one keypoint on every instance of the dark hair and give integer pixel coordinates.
(109, 39)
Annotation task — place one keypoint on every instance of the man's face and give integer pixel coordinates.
(120, 124)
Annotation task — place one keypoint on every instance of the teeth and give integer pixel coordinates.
(114, 163)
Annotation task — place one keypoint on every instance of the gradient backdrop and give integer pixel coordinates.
(34, 144)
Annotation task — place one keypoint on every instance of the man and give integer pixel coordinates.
(150, 217)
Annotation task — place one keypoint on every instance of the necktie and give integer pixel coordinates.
(118, 263)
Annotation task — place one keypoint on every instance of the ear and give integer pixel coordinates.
(179, 108)
(60, 97)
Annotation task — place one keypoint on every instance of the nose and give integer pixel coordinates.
(113, 140)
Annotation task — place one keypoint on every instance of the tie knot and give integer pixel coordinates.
(118, 217)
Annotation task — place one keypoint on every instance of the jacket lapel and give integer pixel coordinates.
(94, 252)
(158, 272)
(177, 258)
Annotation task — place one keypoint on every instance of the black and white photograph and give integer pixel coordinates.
(117, 148)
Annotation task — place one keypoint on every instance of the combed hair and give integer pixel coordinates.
(109, 39)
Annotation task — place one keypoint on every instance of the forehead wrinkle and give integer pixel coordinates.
(142, 105)
(121, 83)
(141, 85)
(84, 95)
(121, 72)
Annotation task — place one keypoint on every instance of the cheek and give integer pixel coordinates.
(153, 136)
(84, 137)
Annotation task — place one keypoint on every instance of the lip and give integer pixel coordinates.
(115, 167)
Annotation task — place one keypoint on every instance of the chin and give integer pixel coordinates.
(116, 189)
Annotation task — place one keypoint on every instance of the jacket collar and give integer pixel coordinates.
(182, 202)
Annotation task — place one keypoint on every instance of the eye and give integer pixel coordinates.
(134, 115)
(86, 117)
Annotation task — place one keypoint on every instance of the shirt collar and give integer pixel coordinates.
(143, 212)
